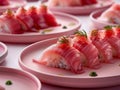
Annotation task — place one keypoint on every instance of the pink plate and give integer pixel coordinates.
(102, 5)
(108, 74)
(21, 80)
(3, 52)
(97, 24)
(72, 23)
(14, 5)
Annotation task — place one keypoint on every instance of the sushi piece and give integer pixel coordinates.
(25, 20)
(9, 24)
(113, 40)
(81, 43)
(49, 18)
(111, 15)
(116, 29)
(2, 88)
(106, 52)
(66, 3)
(41, 17)
(38, 19)
(62, 55)
(4, 2)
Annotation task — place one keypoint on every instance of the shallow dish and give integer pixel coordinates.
(20, 80)
(97, 23)
(72, 23)
(108, 74)
(102, 5)
(3, 52)
(14, 5)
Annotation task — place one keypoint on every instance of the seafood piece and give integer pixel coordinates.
(25, 20)
(81, 43)
(113, 40)
(67, 3)
(62, 55)
(111, 15)
(38, 19)
(9, 24)
(106, 51)
(50, 19)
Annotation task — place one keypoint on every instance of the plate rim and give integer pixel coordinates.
(26, 74)
(4, 53)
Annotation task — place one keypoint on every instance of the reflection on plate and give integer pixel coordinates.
(20, 80)
(108, 74)
(14, 5)
(3, 52)
(102, 4)
(97, 24)
(72, 23)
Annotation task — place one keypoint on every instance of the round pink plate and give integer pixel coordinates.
(97, 24)
(21, 80)
(14, 5)
(72, 23)
(108, 74)
(3, 52)
(102, 5)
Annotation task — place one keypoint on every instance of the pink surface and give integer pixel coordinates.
(102, 5)
(20, 80)
(70, 21)
(3, 52)
(97, 23)
(108, 75)
(14, 4)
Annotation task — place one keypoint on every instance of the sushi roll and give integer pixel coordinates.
(25, 20)
(105, 49)
(64, 3)
(116, 29)
(111, 15)
(9, 24)
(113, 40)
(69, 3)
(62, 55)
(38, 19)
(49, 17)
(81, 43)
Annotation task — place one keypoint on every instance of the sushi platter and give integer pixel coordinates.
(31, 31)
(65, 78)
(83, 10)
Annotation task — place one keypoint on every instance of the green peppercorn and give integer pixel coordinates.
(8, 82)
(64, 27)
(93, 74)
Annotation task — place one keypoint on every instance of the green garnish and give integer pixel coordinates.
(9, 82)
(81, 33)
(93, 74)
(64, 27)
(108, 27)
(63, 39)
